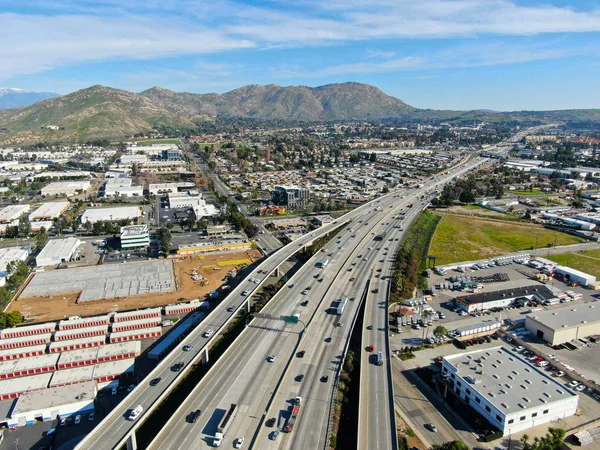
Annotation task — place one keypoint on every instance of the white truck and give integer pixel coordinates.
(222, 428)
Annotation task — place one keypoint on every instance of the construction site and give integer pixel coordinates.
(108, 288)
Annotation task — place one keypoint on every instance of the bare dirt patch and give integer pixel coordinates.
(209, 270)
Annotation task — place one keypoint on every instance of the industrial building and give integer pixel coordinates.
(49, 211)
(510, 393)
(503, 298)
(574, 276)
(122, 187)
(75, 344)
(136, 324)
(24, 341)
(22, 352)
(66, 188)
(135, 236)
(290, 196)
(562, 325)
(166, 188)
(116, 214)
(12, 212)
(50, 403)
(183, 308)
(8, 255)
(14, 387)
(78, 333)
(138, 314)
(28, 330)
(214, 246)
(74, 322)
(57, 251)
(187, 199)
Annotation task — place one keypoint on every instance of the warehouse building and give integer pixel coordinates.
(166, 188)
(28, 330)
(136, 324)
(49, 211)
(22, 352)
(122, 187)
(38, 225)
(96, 355)
(562, 325)
(14, 387)
(136, 315)
(12, 212)
(509, 392)
(28, 366)
(503, 298)
(62, 346)
(135, 236)
(183, 308)
(93, 215)
(8, 255)
(187, 199)
(79, 333)
(57, 251)
(181, 330)
(24, 341)
(214, 246)
(71, 376)
(75, 322)
(112, 370)
(134, 335)
(66, 188)
(50, 403)
(574, 276)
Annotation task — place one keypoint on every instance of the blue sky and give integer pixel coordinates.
(443, 54)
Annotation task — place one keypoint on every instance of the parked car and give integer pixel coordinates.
(580, 388)
(560, 373)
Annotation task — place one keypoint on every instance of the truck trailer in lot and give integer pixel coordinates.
(222, 428)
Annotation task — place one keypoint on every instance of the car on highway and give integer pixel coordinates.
(194, 415)
(304, 303)
(370, 327)
(340, 324)
(270, 422)
(135, 412)
(431, 427)
(238, 442)
(274, 435)
(155, 381)
(177, 367)
(352, 279)
(299, 377)
(304, 292)
(301, 353)
(187, 348)
(208, 333)
(77, 419)
(324, 378)
(244, 293)
(230, 309)
(271, 358)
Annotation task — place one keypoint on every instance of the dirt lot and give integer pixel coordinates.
(212, 268)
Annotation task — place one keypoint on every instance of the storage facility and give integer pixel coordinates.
(95, 355)
(115, 214)
(71, 376)
(24, 341)
(14, 387)
(66, 188)
(136, 315)
(111, 370)
(65, 335)
(22, 352)
(574, 276)
(135, 236)
(132, 335)
(558, 326)
(510, 393)
(57, 251)
(50, 403)
(62, 346)
(181, 329)
(8, 255)
(28, 366)
(28, 330)
(183, 308)
(49, 211)
(12, 212)
(136, 324)
(503, 298)
(75, 322)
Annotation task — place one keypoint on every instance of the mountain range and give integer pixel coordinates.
(104, 112)
(14, 98)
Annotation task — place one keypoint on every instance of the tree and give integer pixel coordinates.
(440, 331)
(24, 225)
(164, 240)
(41, 239)
(453, 445)
(552, 441)
(191, 220)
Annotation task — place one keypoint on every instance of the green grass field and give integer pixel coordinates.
(526, 192)
(588, 262)
(467, 239)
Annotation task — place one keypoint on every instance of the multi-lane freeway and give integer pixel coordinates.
(263, 389)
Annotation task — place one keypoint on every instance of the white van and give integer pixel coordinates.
(135, 412)
(208, 333)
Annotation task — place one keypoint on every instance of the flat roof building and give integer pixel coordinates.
(137, 314)
(508, 391)
(24, 341)
(165, 188)
(112, 370)
(12, 212)
(28, 366)
(96, 355)
(74, 344)
(575, 276)
(65, 335)
(135, 236)
(505, 297)
(14, 387)
(10, 254)
(214, 246)
(181, 330)
(66, 188)
(49, 211)
(28, 330)
(134, 335)
(74, 322)
(47, 404)
(71, 376)
(22, 352)
(57, 251)
(94, 215)
(561, 325)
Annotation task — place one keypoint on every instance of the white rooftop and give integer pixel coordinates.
(73, 342)
(133, 231)
(120, 334)
(56, 396)
(49, 210)
(94, 215)
(74, 375)
(561, 318)
(114, 367)
(58, 250)
(22, 384)
(20, 350)
(12, 211)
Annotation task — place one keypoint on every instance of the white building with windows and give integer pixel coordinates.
(135, 236)
(57, 251)
(512, 394)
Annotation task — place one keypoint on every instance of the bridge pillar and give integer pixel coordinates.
(247, 306)
(276, 272)
(205, 356)
(131, 441)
